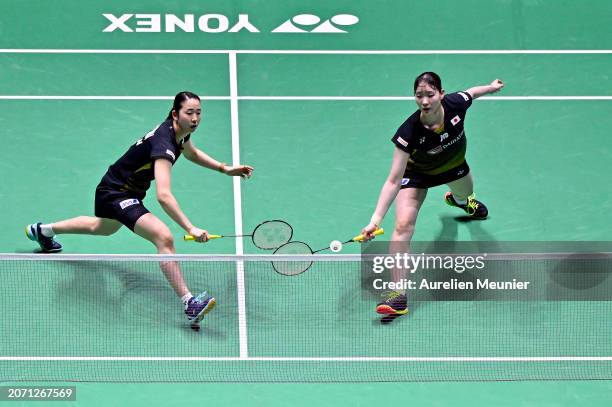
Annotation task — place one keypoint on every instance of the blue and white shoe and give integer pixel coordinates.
(47, 244)
(198, 306)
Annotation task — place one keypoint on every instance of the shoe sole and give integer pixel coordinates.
(206, 310)
(387, 310)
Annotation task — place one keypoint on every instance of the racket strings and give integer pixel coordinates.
(293, 267)
(272, 234)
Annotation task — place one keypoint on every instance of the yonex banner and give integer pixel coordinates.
(219, 23)
(291, 25)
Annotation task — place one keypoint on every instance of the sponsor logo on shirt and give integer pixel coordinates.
(421, 140)
(128, 202)
(453, 141)
(405, 181)
(443, 137)
(402, 141)
(466, 97)
(455, 120)
(171, 154)
(436, 150)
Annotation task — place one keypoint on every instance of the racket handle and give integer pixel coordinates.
(377, 232)
(189, 237)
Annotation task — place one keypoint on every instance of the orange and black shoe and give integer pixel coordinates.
(474, 208)
(395, 304)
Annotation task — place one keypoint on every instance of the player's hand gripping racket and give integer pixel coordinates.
(268, 235)
(295, 267)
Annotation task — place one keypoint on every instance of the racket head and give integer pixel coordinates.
(292, 268)
(272, 234)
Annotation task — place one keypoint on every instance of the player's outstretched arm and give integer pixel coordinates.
(195, 155)
(478, 91)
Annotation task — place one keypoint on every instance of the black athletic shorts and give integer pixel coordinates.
(124, 206)
(413, 179)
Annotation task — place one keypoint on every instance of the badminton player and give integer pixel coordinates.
(119, 196)
(430, 149)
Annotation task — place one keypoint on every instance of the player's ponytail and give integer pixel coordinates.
(179, 99)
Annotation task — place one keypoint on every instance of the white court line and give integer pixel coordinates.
(392, 98)
(292, 98)
(317, 359)
(99, 97)
(258, 258)
(240, 280)
(305, 52)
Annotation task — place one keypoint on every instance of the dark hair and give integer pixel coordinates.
(179, 99)
(430, 78)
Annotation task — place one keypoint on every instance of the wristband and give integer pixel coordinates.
(376, 219)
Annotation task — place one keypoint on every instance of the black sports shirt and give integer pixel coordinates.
(435, 152)
(134, 171)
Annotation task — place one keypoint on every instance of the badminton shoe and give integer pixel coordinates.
(47, 244)
(197, 307)
(474, 208)
(395, 304)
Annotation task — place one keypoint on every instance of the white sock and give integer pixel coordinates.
(47, 230)
(460, 201)
(185, 298)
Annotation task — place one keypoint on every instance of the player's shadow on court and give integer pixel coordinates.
(117, 294)
(450, 230)
(467, 219)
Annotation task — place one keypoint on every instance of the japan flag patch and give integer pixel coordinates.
(455, 120)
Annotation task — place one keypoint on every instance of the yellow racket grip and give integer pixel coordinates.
(189, 237)
(377, 232)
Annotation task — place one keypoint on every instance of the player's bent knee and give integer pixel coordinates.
(404, 228)
(94, 226)
(165, 241)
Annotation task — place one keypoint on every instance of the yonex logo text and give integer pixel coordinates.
(219, 23)
(209, 23)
